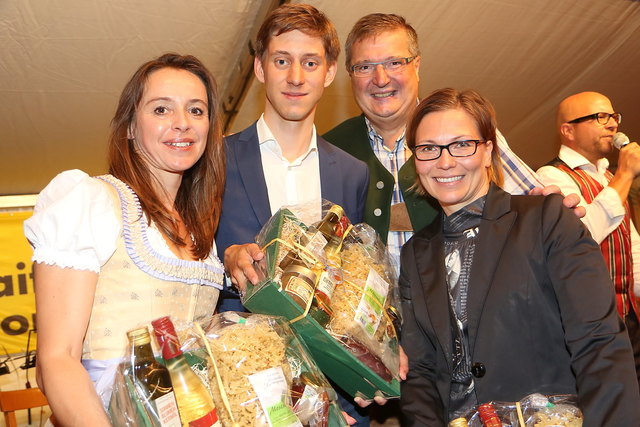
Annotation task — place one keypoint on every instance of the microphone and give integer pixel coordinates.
(620, 140)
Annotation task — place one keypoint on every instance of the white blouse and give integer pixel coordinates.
(76, 224)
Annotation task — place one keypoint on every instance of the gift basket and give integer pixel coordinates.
(236, 369)
(534, 410)
(337, 285)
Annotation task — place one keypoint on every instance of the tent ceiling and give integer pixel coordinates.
(64, 62)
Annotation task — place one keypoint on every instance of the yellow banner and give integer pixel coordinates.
(17, 300)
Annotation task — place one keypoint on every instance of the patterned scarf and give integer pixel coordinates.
(460, 237)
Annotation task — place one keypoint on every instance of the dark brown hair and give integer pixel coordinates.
(476, 106)
(301, 17)
(374, 24)
(199, 197)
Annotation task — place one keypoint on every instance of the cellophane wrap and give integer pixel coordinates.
(262, 370)
(128, 406)
(534, 410)
(365, 306)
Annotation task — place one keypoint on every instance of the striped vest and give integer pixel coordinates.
(616, 247)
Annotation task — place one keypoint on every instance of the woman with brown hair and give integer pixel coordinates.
(116, 251)
(502, 295)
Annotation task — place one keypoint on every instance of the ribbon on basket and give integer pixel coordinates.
(223, 393)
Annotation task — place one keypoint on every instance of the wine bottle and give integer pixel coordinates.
(195, 404)
(152, 380)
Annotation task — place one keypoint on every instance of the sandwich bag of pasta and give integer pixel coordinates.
(534, 410)
(335, 283)
(260, 374)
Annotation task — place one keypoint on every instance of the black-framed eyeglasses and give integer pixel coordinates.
(602, 118)
(464, 148)
(392, 65)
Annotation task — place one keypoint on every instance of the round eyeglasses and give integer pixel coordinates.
(602, 118)
(394, 65)
(464, 148)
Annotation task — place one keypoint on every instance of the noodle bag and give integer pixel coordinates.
(260, 374)
(351, 325)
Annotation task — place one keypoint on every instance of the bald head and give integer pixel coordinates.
(588, 137)
(582, 104)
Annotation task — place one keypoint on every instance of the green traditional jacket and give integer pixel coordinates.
(352, 136)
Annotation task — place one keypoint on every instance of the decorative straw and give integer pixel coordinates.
(223, 393)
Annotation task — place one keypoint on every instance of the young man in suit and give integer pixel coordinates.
(280, 160)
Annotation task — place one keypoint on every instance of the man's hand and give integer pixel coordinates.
(238, 261)
(402, 371)
(629, 160)
(571, 201)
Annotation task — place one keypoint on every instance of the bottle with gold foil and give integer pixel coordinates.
(315, 239)
(459, 422)
(333, 223)
(195, 404)
(335, 226)
(152, 380)
(328, 280)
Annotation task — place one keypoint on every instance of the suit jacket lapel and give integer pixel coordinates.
(429, 250)
(497, 220)
(331, 186)
(249, 161)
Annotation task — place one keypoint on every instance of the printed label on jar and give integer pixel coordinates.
(300, 288)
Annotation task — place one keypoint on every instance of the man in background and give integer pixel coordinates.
(586, 123)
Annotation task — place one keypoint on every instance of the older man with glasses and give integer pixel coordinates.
(586, 123)
(383, 61)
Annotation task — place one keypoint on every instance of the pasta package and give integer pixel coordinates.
(337, 285)
(261, 375)
(365, 316)
(534, 410)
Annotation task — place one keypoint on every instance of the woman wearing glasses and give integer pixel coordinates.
(503, 295)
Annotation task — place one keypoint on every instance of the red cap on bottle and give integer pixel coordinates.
(167, 338)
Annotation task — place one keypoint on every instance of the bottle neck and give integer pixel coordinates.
(167, 338)
(170, 346)
(143, 351)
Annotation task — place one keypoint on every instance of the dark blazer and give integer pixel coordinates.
(541, 316)
(245, 203)
(352, 136)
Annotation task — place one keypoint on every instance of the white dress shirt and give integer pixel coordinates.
(289, 183)
(606, 212)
